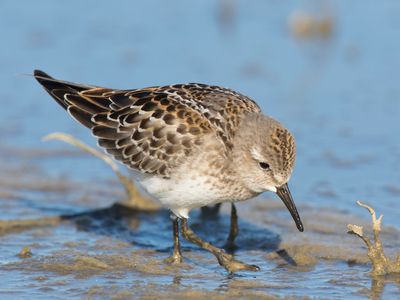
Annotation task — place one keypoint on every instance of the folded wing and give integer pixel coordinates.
(152, 129)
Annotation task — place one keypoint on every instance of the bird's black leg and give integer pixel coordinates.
(234, 229)
(176, 256)
(224, 259)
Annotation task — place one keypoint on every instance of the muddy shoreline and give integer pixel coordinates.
(117, 251)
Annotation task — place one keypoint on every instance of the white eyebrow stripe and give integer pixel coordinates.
(257, 155)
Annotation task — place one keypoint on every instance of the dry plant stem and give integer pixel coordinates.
(134, 196)
(381, 265)
(18, 225)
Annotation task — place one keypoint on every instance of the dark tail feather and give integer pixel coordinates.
(72, 97)
(58, 88)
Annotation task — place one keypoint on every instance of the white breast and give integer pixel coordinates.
(181, 195)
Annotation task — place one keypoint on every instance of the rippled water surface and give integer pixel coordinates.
(335, 85)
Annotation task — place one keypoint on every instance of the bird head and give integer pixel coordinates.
(264, 155)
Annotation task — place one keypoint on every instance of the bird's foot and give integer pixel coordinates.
(232, 265)
(174, 259)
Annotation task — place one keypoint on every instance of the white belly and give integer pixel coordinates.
(181, 195)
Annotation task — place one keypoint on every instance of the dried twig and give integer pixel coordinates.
(135, 199)
(8, 226)
(381, 265)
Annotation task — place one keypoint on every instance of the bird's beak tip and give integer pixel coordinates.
(284, 193)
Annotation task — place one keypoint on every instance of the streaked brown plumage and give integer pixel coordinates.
(152, 129)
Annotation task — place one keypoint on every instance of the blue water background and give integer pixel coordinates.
(339, 95)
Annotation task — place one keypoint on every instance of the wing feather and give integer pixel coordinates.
(152, 129)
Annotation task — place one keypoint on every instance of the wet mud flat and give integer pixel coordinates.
(66, 237)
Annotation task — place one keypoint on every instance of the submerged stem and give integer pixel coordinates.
(135, 198)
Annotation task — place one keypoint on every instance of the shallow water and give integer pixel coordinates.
(116, 251)
(338, 93)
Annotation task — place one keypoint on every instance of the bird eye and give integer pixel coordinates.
(264, 165)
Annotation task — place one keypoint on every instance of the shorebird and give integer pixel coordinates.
(192, 144)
